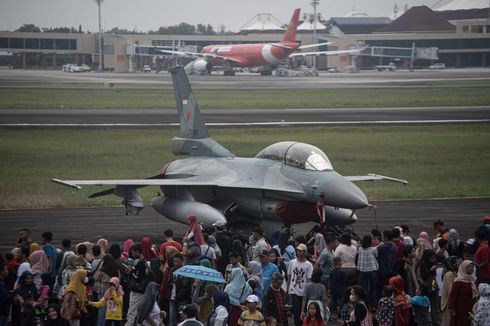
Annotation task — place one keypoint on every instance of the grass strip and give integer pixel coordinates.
(439, 161)
(120, 98)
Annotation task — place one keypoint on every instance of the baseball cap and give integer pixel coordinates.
(302, 247)
(252, 298)
(219, 223)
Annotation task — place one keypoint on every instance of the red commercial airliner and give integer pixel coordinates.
(251, 55)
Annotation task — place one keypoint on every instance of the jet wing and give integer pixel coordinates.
(189, 181)
(374, 177)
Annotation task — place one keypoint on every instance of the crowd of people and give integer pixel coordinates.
(383, 278)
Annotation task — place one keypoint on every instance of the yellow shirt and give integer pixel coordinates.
(114, 306)
(251, 319)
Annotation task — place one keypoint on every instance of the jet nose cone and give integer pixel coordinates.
(340, 192)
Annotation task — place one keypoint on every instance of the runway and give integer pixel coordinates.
(365, 79)
(155, 118)
(90, 224)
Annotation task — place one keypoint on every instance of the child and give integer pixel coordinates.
(402, 301)
(27, 316)
(314, 317)
(421, 308)
(251, 316)
(386, 307)
(113, 300)
(337, 283)
(346, 306)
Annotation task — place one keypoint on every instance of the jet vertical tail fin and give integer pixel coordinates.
(191, 123)
(290, 34)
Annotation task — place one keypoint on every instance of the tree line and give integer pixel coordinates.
(179, 29)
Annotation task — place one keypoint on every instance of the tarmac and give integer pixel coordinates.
(80, 224)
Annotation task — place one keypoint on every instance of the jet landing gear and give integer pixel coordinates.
(229, 72)
(266, 72)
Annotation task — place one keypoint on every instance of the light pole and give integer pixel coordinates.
(99, 4)
(315, 4)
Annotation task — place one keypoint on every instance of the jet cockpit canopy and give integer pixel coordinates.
(298, 155)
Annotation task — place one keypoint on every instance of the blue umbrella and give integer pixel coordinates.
(200, 273)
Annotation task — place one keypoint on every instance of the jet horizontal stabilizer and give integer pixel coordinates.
(67, 184)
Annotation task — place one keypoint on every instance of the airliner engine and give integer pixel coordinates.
(201, 65)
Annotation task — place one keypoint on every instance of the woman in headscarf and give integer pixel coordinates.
(39, 265)
(238, 248)
(402, 301)
(34, 247)
(54, 317)
(427, 271)
(194, 233)
(284, 249)
(238, 290)
(319, 244)
(27, 287)
(147, 303)
(213, 244)
(455, 246)
(255, 273)
(127, 248)
(448, 278)
(481, 309)
(148, 251)
(104, 245)
(85, 254)
(75, 297)
(463, 295)
(205, 302)
(72, 264)
(221, 308)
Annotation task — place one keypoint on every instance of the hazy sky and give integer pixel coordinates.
(147, 15)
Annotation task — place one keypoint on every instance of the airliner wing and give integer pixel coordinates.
(205, 55)
(335, 52)
(374, 177)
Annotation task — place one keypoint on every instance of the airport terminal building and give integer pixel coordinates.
(461, 36)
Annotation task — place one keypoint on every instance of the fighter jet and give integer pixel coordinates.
(286, 183)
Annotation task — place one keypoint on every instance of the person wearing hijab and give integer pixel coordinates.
(34, 247)
(194, 233)
(54, 317)
(212, 243)
(113, 301)
(481, 309)
(72, 264)
(238, 290)
(148, 251)
(221, 308)
(427, 271)
(284, 249)
(238, 248)
(205, 302)
(463, 295)
(149, 312)
(75, 297)
(27, 287)
(447, 284)
(104, 246)
(39, 265)
(402, 301)
(255, 273)
(319, 245)
(127, 248)
(455, 246)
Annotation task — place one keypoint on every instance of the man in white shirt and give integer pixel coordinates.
(299, 275)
